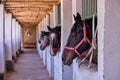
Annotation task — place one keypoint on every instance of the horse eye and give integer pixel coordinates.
(73, 34)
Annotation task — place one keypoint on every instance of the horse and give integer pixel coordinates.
(55, 39)
(44, 40)
(79, 40)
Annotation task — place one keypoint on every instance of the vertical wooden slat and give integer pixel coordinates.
(59, 13)
(82, 8)
(95, 6)
(49, 19)
(85, 8)
(89, 7)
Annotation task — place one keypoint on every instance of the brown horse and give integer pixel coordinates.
(55, 39)
(79, 40)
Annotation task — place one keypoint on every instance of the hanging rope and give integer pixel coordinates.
(94, 44)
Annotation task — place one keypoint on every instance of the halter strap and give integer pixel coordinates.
(46, 41)
(54, 49)
(85, 39)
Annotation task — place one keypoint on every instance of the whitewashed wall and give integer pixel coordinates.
(66, 24)
(17, 36)
(14, 38)
(19, 33)
(2, 55)
(109, 39)
(8, 36)
(8, 42)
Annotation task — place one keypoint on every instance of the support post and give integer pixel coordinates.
(66, 24)
(8, 41)
(2, 55)
(14, 40)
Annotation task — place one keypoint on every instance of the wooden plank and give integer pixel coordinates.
(30, 12)
(13, 10)
(28, 5)
(49, 2)
(29, 20)
(28, 23)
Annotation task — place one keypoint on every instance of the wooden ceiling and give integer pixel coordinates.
(29, 12)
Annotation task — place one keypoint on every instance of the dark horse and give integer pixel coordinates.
(79, 40)
(44, 40)
(55, 39)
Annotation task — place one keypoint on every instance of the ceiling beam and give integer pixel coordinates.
(28, 20)
(27, 5)
(29, 13)
(28, 9)
(39, 2)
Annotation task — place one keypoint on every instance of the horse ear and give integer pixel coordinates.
(49, 28)
(78, 17)
(74, 17)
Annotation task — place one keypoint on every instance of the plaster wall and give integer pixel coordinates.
(13, 37)
(8, 36)
(111, 40)
(101, 13)
(2, 56)
(32, 38)
(66, 24)
(16, 36)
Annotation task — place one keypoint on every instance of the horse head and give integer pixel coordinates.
(79, 40)
(55, 36)
(44, 40)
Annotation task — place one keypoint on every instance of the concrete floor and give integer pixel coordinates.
(29, 66)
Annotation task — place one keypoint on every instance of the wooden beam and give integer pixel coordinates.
(28, 14)
(27, 5)
(29, 20)
(28, 9)
(39, 2)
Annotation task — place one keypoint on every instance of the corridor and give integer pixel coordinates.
(29, 66)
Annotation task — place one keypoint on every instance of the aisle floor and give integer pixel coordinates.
(29, 66)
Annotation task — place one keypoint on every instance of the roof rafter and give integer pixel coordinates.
(29, 12)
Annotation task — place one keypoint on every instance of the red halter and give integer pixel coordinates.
(54, 49)
(47, 41)
(85, 39)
